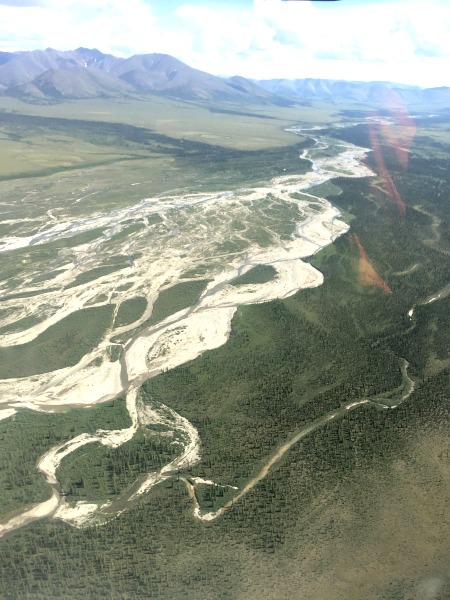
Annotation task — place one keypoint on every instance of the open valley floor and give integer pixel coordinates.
(239, 373)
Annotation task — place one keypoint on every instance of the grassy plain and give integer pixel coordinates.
(79, 138)
(188, 120)
(141, 163)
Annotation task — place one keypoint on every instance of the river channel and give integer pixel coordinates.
(187, 334)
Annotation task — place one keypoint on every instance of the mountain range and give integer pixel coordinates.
(372, 92)
(49, 76)
(53, 76)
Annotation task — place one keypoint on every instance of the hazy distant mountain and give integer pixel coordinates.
(5, 57)
(24, 67)
(52, 75)
(375, 92)
(438, 95)
(246, 86)
(73, 83)
(96, 59)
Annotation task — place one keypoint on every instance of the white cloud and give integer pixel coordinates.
(107, 24)
(401, 40)
(21, 2)
(217, 35)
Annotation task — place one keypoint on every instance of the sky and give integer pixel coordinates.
(405, 41)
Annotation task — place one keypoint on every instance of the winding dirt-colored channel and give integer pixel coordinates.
(275, 458)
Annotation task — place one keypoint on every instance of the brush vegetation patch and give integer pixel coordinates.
(61, 345)
(35, 260)
(176, 298)
(30, 294)
(130, 311)
(169, 301)
(21, 324)
(256, 275)
(28, 435)
(94, 274)
(95, 473)
(326, 190)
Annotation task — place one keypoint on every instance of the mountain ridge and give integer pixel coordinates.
(52, 76)
(337, 90)
(46, 76)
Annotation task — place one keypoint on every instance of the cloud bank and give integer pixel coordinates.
(402, 40)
